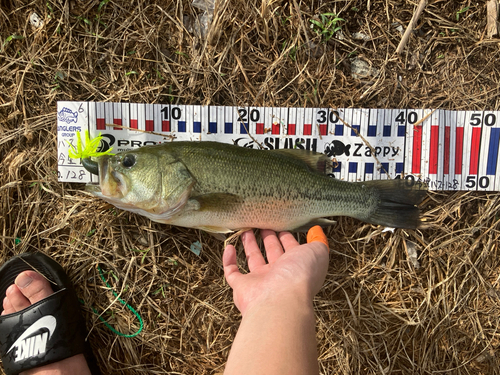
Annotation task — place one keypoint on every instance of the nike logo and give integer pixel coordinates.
(28, 344)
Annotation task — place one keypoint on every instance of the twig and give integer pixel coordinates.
(491, 18)
(297, 9)
(411, 25)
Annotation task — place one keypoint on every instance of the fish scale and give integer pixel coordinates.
(219, 187)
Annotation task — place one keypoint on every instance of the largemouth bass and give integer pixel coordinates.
(222, 188)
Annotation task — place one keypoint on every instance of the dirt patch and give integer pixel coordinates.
(377, 312)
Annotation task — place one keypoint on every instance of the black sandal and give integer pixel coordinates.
(49, 330)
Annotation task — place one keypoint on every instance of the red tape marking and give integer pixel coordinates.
(474, 150)
(446, 165)
(417, 149)
(433, 152)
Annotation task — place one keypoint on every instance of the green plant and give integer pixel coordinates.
(172, 261)
(185, 55)
(292, 52)
(463, 10)
(326, 26)
(158, 74)
(51, 11)
(10, 38)
(84, 20)
(170, 93)
(161, 290)
(110, 272)
(58, 77)
(285, 20)
(143, 252)
(102, 4)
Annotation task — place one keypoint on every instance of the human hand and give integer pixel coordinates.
(292, 269)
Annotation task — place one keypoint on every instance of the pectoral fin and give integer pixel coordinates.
(218, 202)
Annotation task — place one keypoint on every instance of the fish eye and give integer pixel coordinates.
(128, 161)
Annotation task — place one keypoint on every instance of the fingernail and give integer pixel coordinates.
(23, 280)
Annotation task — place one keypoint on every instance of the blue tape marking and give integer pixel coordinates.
(182, 126)
(399, 167)
(338, 167)
(355, 127)
(387, 131)
(339, 129)
(196, 127)
(369, 168)
(353, 167)
(243, 128)
(212, 127)
(401, 131)
(491, 166)
(372, 130)
(228, 128)
(385, 168)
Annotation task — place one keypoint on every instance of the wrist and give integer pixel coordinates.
(282, 303)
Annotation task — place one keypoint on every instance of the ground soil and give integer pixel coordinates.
(377, 313)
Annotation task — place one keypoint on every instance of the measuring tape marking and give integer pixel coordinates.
(449, 150)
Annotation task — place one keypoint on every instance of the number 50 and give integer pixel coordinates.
(483, 182)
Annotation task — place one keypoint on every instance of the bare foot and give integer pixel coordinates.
(30, 287)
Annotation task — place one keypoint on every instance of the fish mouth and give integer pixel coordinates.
(111, 183)
(92, 167)
(103, 166)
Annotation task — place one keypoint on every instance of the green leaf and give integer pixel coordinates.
(102, 4)
(317, 23)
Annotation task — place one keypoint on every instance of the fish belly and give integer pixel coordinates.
(274, 215)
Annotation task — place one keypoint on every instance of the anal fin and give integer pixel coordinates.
(323, 223)
(214, 229)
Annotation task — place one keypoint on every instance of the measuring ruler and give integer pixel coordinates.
(448, 150)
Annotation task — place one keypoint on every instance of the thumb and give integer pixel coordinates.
(316, 234)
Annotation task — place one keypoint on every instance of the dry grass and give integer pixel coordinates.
(377, 313)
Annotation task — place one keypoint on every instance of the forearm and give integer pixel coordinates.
(277, 336)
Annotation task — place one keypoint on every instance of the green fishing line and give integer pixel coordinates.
(141, 323)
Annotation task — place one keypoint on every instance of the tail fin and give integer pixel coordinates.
(397, 200)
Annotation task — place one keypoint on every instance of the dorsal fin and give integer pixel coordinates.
(314, 160)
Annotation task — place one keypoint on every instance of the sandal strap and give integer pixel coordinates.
(48, 331)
